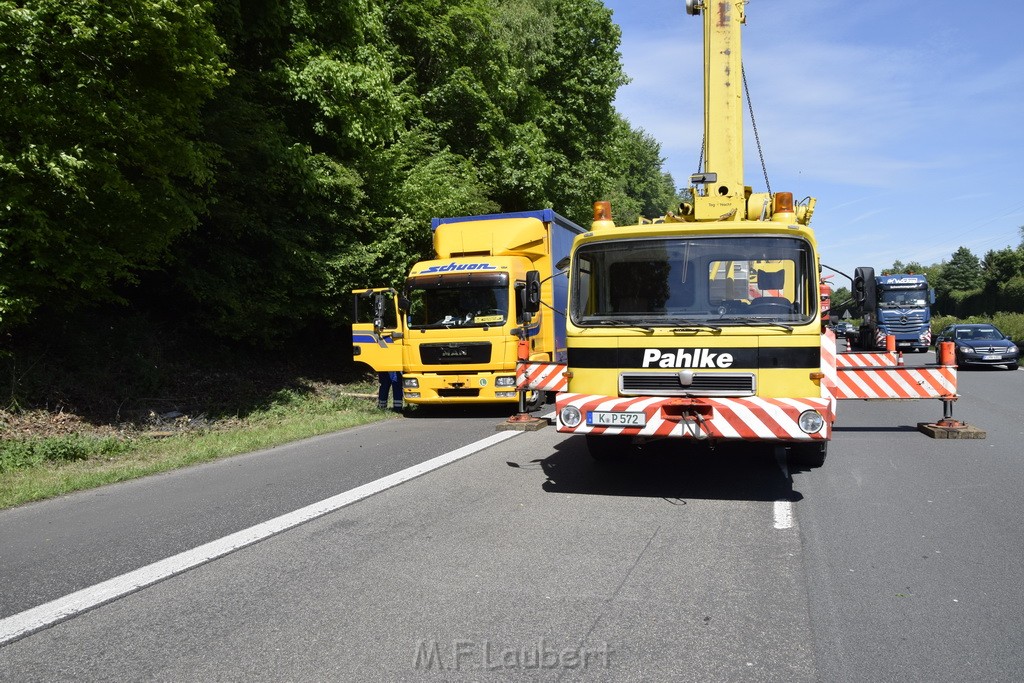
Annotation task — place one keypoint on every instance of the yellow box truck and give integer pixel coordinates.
(460, 322)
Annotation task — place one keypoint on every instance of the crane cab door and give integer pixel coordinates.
(377, 330)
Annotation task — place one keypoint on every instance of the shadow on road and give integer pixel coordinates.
(498, 411)
(881, 428)
(671, 470)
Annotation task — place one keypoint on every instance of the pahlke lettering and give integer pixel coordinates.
(686, 358)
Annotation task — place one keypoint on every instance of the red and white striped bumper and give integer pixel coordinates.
(737, 419)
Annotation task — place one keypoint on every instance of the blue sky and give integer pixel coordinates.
(904, 119)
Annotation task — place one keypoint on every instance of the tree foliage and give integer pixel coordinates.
(313, 95)
(100, 160)
(967, 286)
(240, 166)
(963, 271)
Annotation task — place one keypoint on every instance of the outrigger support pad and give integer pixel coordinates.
(522, 421)
(948, 428)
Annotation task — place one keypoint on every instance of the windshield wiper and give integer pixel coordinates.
(612, 322)
(692, 325)
(747, 322)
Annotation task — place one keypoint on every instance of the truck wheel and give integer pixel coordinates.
(535, 399)
(608, 448)
(808, 454)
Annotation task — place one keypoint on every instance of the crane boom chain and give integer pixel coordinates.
(753, 124)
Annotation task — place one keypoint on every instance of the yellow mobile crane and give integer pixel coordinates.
(705, 324)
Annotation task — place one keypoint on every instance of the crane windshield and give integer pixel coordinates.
(673, 281)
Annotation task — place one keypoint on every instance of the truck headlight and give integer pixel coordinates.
(411, 383)
(811, 421)
(571, 416)
(505, 381)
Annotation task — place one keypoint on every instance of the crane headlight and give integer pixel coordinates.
(571, 416)
(811, 421)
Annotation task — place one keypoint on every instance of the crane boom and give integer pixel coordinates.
(724, 191)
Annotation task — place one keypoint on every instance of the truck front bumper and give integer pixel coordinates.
(470, 387)
(732, 419)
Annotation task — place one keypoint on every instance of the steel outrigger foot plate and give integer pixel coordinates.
(522, 422)
(950, 429)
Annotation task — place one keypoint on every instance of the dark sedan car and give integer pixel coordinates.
(844, 329)
(980, 344)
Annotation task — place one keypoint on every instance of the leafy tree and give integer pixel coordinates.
(239, 166)
(958, 283)
(842, 301)
(641, 187)
(1011, 295)
(900, 267)
(1001, 273)
(999, 266)
(579, 81)
(963, 271)
(101, 160)
(934, 273)
(314, 96)
(421, 182)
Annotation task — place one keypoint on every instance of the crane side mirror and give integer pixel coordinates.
(864, 292)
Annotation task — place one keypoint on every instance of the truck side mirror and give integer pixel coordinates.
(864, 289)
(378, 312)
(531, 298)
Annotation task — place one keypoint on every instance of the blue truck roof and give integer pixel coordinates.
(905, 279)
(543, 215)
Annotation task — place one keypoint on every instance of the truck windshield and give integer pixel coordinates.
(462, 302)
(902, 298)
(684, 281)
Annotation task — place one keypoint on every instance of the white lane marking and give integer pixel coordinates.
(24, 623)
(783, 509)
(783, 514)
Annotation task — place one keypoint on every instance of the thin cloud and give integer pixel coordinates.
(918, 101)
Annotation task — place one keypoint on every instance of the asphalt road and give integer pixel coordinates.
(55, 547)
(896, 561)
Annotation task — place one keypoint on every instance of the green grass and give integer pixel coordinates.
(37, 468)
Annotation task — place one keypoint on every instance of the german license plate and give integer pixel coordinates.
(993, 356)
(597, 418)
